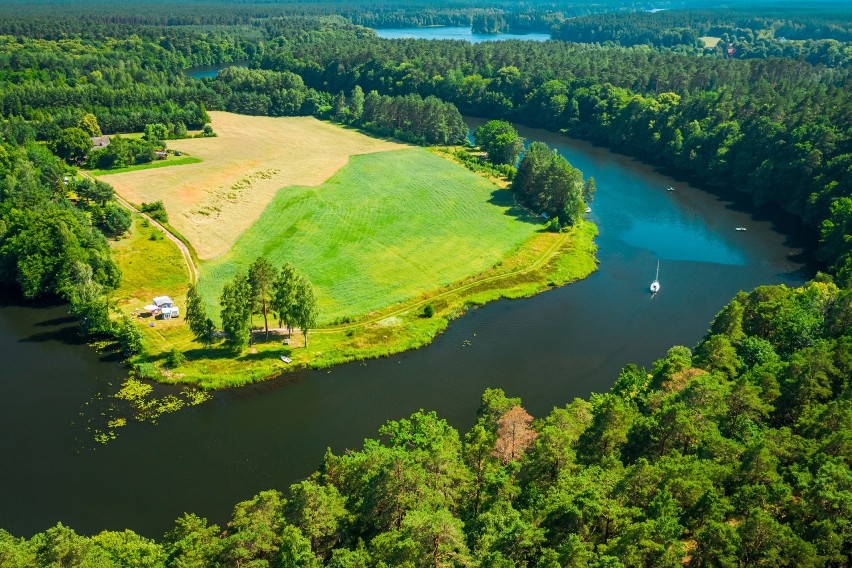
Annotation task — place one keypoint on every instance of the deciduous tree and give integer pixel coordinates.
(236, 312)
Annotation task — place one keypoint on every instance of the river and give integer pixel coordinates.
(548, 349)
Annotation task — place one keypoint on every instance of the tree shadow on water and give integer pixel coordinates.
(57, 321)
(68, 335)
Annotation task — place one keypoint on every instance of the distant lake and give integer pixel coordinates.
(209, 71)
(455, 32)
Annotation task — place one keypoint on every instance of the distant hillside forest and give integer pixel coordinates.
(736, 453)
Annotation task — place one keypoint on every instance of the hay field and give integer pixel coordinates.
(211, 203)
(387, 227)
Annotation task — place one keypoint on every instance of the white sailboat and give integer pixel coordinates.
(655, 285)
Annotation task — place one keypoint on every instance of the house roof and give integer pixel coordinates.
(162, 300)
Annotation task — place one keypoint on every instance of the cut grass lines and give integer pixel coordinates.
(244, 167)
(386, 228)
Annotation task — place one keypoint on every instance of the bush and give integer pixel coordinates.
(175, 358)
(129, 337)
(156, 211)
(428, 311)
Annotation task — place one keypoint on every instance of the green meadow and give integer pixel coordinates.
(387, 227)
(170, 161)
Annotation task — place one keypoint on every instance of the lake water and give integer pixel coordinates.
(561, 344)
(210, 71)
(454, 32)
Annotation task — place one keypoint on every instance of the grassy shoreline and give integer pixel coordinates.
(545, 261)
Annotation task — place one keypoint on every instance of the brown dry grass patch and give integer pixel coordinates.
(211, 203)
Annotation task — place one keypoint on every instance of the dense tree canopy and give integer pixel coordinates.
(735, 454)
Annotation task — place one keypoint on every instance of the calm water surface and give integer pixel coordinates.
(210, 71)
(548, 349)
(454, 32)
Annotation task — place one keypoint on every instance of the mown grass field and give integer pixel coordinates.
(242, 169)
(387, 227)
(545, 260)
(389, 233)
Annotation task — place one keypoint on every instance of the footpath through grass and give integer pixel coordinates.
(386, 228)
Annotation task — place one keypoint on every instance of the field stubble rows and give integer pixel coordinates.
(241, 170)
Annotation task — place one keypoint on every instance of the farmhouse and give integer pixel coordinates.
(100, 141)
(166, 306)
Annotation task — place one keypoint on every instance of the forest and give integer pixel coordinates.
(824, 38)
(736, 452)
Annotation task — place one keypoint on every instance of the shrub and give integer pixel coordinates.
(428, 311)
(129, 337)
(175, 358)
(156, 211)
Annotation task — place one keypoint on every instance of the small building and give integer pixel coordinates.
(166, 306)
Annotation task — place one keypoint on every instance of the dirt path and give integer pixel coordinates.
(184, 250)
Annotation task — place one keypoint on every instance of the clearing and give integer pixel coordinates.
(382, 232)
(242, 169)
(385, 228)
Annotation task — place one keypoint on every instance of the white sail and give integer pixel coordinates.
(655, 285)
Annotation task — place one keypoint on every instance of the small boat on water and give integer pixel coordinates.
(655, 285)
(669, 188)
(588, 210)
(742, 229)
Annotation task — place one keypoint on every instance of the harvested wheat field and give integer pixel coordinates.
(252, 157)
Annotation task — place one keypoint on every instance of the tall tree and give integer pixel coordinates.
(261, 276)
(89, 124)
(72, 145)
(236, 312)
(500, 141)
(284, 296)
(306, 307)
(356, 106)
(196, 316)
